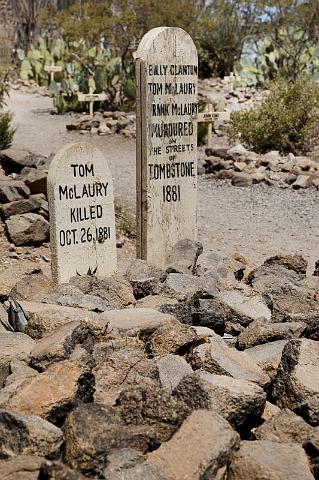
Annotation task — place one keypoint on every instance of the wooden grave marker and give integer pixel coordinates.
(209, 116)
(52, 69)
(166, 84)
(82, 218)
(90, 98)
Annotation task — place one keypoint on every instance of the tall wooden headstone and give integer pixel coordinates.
(166, 81)
(82, 218)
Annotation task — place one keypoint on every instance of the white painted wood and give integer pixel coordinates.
(90, 98)
(52, 69)
(82, 218)
(166, 80)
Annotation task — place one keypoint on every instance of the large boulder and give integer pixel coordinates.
(183, 256)
(267, 356)
(217, 357)
(297, 308)
(59, 344)
(12, 190)
(32, 287)
(246, 308)
(116, 291)
(175, 338)
(28, 435)
(22, 467)
(262, 331)
(264, 460)
(68, 295)
(171, 370)
(287, 427)
(296, 263)
(144, 278)
(35, 179)
(94, 431)
(15, 159)
(144, 405)
(122, 369)
(298, 373)
(18, 207)
(28, 229)
(238, 401)
(51, 394)
(204, 444)
(310, 410)
(129, 464)
(45, 318)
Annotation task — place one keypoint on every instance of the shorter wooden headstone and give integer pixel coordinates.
(82, 218)
(52, 69)
(90, 98)
(209, 116)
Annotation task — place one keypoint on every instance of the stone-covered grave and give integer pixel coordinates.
(205, 368)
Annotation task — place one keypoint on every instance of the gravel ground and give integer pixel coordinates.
(258, 222)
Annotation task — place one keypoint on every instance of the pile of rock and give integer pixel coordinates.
(106, 123)
(24, 208)
(207, 368)
(244, 168)
(225, 95)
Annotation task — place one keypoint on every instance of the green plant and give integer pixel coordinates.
(6, 131)
(287, 120)
(292, 55)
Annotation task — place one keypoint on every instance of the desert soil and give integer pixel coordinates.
(258, 222)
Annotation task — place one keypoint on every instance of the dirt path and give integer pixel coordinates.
(258, 221)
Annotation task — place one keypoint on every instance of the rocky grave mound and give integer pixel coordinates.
(207, 368)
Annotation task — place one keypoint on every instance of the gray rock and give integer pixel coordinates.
(50, 394)
(130, 465)
(45, 318)
(22, 467)
(275, 279)
(94, 431)
(310, 410)
(59, 345)
(287, 427)
(144, 278)
(238, 401)
(13, 346)
(217, 357)
(262, 460)
(32, 287)
(246, 308)
(172, 369)
(262, 331)
(28, 229)
(116, 290)
(14, 159)
(28, 435)
(296, 263)
(183, 257)
(241, 179)
(298, 373)
(204, 443)
(70, 296)
(267, 356)
(121, 369)
(211, 313)
(18, 207)
(35, 179)
(144, 405)
(12, 190)
(181, 286)
(174, 338)
(297, 308)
